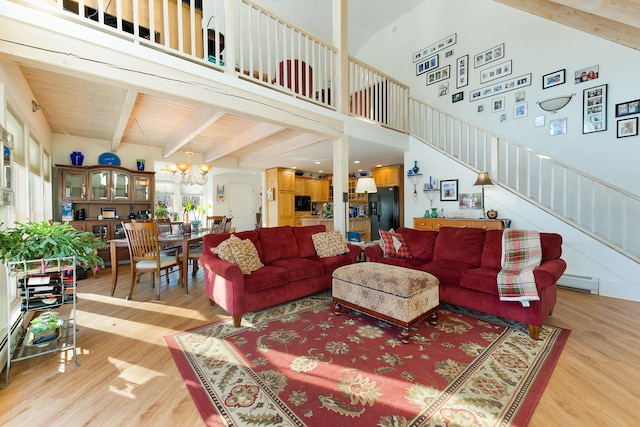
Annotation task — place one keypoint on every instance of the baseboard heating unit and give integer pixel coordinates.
(580, 283)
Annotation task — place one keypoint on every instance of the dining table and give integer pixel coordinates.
(183, 241)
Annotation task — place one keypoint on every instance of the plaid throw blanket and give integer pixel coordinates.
(521, 253)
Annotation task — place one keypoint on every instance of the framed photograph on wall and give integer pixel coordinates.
(438, 75)
(449, 190)
(497, 104)
(594, 109)
(426, 65)
(627, 127)
(627, 108)
(457, 97)
(462, 71)
(495, 72)
(470, 201)
(553, 79)
(489, 55)
(520, 110)
(586, 74)
(558, 126)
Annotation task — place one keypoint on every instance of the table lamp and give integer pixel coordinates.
(483, 179)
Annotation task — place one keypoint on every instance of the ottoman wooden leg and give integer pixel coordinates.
(337, 309)
(405, 335)
(433, 317)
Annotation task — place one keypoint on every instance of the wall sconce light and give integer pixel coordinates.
(555, 104)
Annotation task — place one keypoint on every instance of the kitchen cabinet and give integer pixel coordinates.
(280, 197)
(436, 223)
(388, 176)
(353, 196)
(319, 190)
(302, 186)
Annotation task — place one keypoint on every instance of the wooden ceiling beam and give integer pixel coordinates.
(599, 26)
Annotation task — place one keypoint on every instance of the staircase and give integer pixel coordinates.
(606, 213)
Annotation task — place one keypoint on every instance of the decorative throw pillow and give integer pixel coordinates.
(223, 250)
(394, 245)
(246, 255)
(381, 240)
(329, 243)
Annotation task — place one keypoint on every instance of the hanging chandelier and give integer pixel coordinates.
(184, 172)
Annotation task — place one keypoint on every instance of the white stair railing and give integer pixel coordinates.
(603, 211)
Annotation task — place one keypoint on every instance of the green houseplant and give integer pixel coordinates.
(35, 240)
(161, 210)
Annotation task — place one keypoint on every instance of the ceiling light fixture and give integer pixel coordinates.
(187, 174)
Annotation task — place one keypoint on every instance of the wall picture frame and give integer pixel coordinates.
(520, 110)
(627, 127)
(449, 190)
(435, 47)
(489, 55)
(438, 75)
(628, 108)
(430, 63)
(495, 72)
(503, 86)
(497, 104)
(558, 126)
(554, 79)
(457, 97)
(594, 109)
(462, 71)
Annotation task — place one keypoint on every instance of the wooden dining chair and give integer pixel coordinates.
(214, 223)
(145, 255)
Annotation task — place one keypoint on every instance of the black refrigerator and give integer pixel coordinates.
(384, 210)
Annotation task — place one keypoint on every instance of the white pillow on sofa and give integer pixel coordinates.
(329, 243)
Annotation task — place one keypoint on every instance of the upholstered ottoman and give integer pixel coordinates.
(398, 295)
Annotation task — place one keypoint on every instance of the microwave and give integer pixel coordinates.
(303, 203)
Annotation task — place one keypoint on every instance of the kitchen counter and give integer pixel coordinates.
(361, 224)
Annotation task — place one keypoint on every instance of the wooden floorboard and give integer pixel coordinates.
(127, 377)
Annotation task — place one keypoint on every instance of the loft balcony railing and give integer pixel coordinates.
(601, 210)
(267, 50)
(244, 39)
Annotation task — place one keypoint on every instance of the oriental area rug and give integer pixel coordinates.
(299, 364)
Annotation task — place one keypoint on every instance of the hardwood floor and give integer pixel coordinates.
(127, 377)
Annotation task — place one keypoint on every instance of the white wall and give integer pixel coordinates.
(535, 46)
(539, 47)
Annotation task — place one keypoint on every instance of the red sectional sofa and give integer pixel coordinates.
(291, 269)
(467, 262)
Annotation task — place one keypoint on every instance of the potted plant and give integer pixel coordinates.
(161, 210)
(44, 328)
(35, 240)
(196, 211)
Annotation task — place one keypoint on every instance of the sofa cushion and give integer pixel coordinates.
(401, 262)
(333, 262)
(394, 245)
(448, 272)
(421, 242)
(304, 240)
(551, 246)
(245, 254)
(492, 250)
(483, 279)
(277, 242)
(459, 244)
(267, 277)
(329, 243)
(300, 268)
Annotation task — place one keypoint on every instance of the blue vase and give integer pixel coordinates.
(76, 158)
